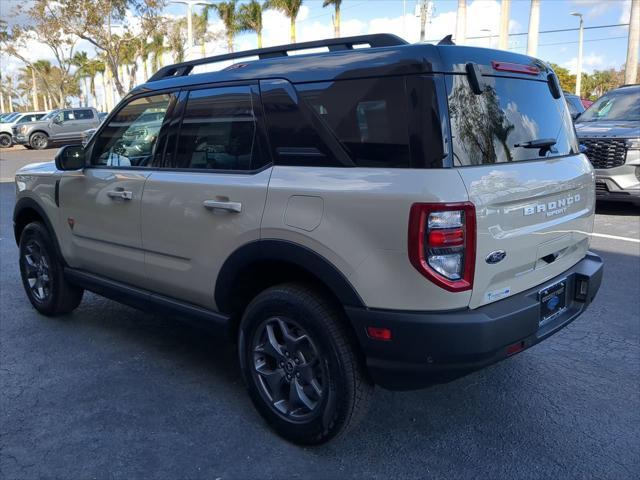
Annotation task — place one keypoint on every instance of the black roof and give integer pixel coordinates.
(386, 55)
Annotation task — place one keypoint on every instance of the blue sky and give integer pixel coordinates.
(603, 48)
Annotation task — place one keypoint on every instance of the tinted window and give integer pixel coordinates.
(83, 114)
(129, 139)
(67, 115)
(369, 118)
(218, 131)
(495, 126)
(30, 118)
(297, 135)
(617, 105)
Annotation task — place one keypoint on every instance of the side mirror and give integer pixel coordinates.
(70, 157)
(56, 120)
(575, 116)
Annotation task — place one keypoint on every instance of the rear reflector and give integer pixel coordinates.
(515, 68)
(515, 348)
(446, 238)
(378, 333)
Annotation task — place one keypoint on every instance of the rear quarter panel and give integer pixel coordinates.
(357, 219)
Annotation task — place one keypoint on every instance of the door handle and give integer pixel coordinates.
(235, 207)
(123, 194)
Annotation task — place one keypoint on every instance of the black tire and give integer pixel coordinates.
(5, 140)
(331, 390)
(39, 141)
(27, 146)
(42, 273)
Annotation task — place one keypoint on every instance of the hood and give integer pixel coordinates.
(41, 168)
(608, 128)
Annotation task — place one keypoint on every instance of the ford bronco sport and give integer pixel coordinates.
(398, 215)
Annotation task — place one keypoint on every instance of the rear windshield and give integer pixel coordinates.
(617, 105)
(507, 122)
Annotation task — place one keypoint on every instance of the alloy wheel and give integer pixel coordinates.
(5, 141)
(37, 273)
(39, 141)
(288, 368)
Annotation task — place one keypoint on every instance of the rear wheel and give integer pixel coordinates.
(39, 141)
(43, 274)
(300, 365)
(5, 140)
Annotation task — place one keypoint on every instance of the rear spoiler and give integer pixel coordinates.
(478, 84)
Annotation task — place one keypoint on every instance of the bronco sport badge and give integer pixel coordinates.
(557, 207)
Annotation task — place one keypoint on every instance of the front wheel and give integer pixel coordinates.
(300, 365)
(43, 274)
(39, 141)
(5, 140)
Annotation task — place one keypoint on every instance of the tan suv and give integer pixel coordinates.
(397, 215)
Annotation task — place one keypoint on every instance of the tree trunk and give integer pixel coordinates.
(336, 23)
(229, 42)
(292, 30)
(50, 101)
(34, 90)
(92, 87)
(146, 68)
(113, 70)
(1, 102)
(260, 39)
(10, 102)
(133, 73)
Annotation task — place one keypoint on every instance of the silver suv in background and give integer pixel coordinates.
(610, 131)
(58, 127)
(9, 121)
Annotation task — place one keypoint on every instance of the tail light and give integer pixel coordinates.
(442, 243)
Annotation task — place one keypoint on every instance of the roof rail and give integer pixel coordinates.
(333, 44)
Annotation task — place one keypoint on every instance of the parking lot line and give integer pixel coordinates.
(615, 237)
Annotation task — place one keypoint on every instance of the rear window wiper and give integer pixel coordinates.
(539, 143)
(544, 144)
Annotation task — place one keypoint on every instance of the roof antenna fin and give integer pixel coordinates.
(446, 41)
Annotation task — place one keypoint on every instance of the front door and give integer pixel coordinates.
(207, 196)
(101, 204)
(62, 125)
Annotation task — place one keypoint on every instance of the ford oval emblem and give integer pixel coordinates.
(495, 257)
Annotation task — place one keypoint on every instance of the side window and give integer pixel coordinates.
(369, 118)
(26, 118)
(298, 136)
(218, 131)
(83, 114)
(129, 139)
(68, 115)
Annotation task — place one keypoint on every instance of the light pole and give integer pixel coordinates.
(490, 32)
(189, 4)
(579, 67)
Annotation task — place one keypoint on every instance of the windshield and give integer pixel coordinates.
(50, 115)
(9, 117)
(511, 121)
(618, 105)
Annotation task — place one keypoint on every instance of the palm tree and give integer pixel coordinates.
(290, 8)
(157, 50)
(230, 17)
(336, 18)
(251, 18)
(81, 60)
(177, 39)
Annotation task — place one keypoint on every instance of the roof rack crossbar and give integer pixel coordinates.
(333, 44)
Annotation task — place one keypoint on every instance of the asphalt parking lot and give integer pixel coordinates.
(112, 392)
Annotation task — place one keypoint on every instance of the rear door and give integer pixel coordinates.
(207, 195)
(515, 149)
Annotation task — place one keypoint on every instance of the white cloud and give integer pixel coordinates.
(590, 63)
(593, 8)
(625, 15)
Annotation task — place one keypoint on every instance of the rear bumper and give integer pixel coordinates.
(436, 347)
